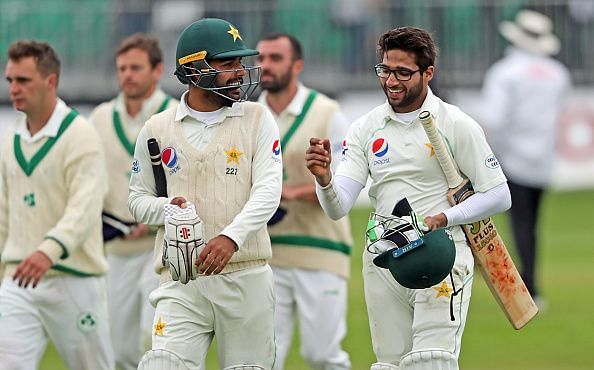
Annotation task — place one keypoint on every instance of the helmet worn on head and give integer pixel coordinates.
(421, 263)
(211, 39)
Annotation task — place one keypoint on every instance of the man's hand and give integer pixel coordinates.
(138, 231)
(437, 221)
(32, 269)
(318, 157)
(179, 201)
(215, 255)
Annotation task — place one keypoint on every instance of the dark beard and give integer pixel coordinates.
(276, 86)
(410, 97)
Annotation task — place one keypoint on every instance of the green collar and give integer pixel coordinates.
(119, 128)
(29, 167)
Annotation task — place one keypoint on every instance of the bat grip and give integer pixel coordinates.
(441, 152)
(160, 180)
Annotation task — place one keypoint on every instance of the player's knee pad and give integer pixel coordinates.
(383, 366)
(429, 359)
(161, 359)
(244, 367)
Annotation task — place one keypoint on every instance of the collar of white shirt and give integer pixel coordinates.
(431, 103)
(295, 106)
(183, 111)
(50, 129)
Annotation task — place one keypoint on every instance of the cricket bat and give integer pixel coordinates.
(160, 179)
(488, 249)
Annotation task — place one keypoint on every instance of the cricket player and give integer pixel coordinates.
(51, 195)
(412, 328)
(222, 155)
(310, 252)
(131, 277)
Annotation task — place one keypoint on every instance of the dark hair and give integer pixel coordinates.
(295, 44)
(410, 39)
(148, 43)
(44, 55)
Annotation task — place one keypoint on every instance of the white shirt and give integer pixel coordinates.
(337, 128)
(401, 163)
(50, 129)
(266, 173)
(521, 99)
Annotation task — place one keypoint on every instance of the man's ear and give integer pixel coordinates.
(298, 66)
(52, 81)
(428, 73)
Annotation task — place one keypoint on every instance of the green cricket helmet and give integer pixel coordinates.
(421, 263)
(211, 39)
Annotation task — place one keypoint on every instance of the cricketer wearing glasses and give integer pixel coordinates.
(412, 329)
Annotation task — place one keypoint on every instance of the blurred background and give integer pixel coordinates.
(339, 38)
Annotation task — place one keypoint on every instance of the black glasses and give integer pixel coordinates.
(401, 74)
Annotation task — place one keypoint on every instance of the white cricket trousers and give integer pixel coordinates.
(403, 320)
(318, 300)
(70, 310)
(237, 308)
(130, 281)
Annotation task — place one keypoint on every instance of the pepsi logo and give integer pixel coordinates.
(344, 147)
(276, 148)
(169, 157)
(379, 147)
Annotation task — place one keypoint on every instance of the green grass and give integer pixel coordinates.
(560, 338)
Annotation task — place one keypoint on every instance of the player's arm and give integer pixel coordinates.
(475, 159)
(3, 208)
(144, 205)
(337, 194)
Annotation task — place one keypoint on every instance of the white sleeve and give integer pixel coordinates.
(144, 205)
(480, 206)
(267, 175)
(338, 197)
(337, 132)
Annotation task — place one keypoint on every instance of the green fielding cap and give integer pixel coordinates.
(210, 38)
(422, 263)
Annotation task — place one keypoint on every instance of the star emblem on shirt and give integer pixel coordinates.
(234, 32)
(159, 327)
(233, 155)
(444, 290)
(432, 153)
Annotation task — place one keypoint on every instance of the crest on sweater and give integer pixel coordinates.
(87, 322)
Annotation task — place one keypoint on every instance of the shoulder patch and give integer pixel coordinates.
(491, 161)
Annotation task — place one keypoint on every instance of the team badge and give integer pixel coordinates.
(444, 290)
(233, 155)
(169, 157)
(29, 199)
(87, 322)
(380, 148)
(159, 327)
(234, 32)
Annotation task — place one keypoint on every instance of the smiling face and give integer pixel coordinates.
(136, 76)
(405, 96)
(231, 74)
(29, 89)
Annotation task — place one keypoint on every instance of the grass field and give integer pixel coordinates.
(560, 338)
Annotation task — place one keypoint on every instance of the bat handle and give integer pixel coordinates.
(441, 152)
(160, 180)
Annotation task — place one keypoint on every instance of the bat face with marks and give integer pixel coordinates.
(489, 251)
